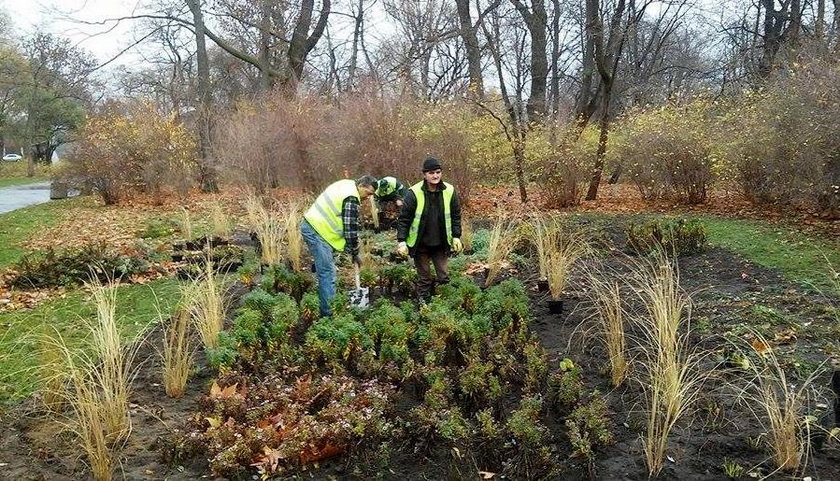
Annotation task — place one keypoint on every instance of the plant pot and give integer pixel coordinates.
(542, 285)
(216, 241)
(230, 266)
(555, 306)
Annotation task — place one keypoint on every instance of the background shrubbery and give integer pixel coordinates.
(132, 147)
(779, 145)
(783, 140)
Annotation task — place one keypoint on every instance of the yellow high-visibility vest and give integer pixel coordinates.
(448, 192)
(325, 213)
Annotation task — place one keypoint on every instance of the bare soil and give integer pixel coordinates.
(726, 290)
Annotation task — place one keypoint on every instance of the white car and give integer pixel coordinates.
(12, 157)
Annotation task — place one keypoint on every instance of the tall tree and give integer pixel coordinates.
(607, 53)
(470, 38)
(536, 20)
(57, 89)
(206, 171)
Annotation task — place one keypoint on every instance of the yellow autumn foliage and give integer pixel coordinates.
(129, 148)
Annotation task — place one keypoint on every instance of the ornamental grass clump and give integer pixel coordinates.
(561, 256)
(502, 242)
(670, 374)
(178, 356)
(207, 300)
(610, 314)
(292, 216)
(269, 229)
(780, 405)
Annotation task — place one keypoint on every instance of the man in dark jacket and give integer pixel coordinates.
(429, 227)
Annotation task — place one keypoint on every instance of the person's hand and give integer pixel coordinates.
(399, 203)
(402, 249)
(457, 246)
(357, 260)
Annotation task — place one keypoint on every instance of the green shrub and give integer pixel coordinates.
(389, 331)
(681, 238)
(309, 307)
(284, 317)
(504, 303)
(480, 241)
(589, 426)
(156, 228)
(566, 388)
(225, 354)
(260, 301)
(524, 423)
(279, 278)
(398, 277)
(536, 364)
(336, 340)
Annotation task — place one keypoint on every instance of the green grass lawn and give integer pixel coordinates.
(800, 257)
(21, 341)
(18, 226)
(803, 258)
(21, 332)
(9, 181)
(14, 173)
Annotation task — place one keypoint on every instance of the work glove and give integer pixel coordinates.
(357, 260)
(402, 249)
(457, 246)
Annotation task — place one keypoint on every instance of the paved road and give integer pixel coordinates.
(18, 196)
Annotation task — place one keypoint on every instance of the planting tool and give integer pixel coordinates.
(359, 297)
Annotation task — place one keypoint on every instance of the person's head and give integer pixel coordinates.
(432, 171)
(366, 185)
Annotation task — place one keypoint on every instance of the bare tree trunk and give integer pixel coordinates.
(819, 28)
(357, 35)
(207, 169)
(555, 75)
(795, 22)
(774, 21)
(836, 26)
(536, 20)
(302, 42)
(585, 101)
(517, 137)
(603, 137)
(468, 34)
(266, 80)
(606, 60)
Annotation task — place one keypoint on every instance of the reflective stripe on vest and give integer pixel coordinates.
(325, 213)
(448, 192)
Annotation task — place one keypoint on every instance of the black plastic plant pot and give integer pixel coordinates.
(555, 307)
(542, 285)
(216, 241)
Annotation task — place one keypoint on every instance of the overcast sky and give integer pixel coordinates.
(54, 16)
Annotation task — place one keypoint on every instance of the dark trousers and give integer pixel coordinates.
(423, 258)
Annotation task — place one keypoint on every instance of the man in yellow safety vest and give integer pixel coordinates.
(389, 189)
(332, 224)
(429, 227)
